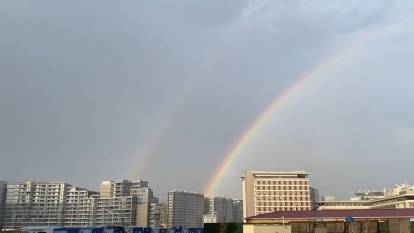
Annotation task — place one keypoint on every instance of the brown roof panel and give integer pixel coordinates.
(357, 213)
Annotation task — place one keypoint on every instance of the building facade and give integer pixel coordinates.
(126, 203)
(80, 207)
(219, 210)
(238, 211)
(35, 203)
(3, 193)
(265, 192)
(185, 209)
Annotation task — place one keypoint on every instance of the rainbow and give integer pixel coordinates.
(234, 151)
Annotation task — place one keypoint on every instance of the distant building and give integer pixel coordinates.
(210, 218)
(126, 203)
(185, 209)
(314, 197)
(163, 210)
(47, 203)
(80, 207)
(399, 197)
(219, 207)
(117, 211)
(237, 211)
(265, 192)
(3, 193)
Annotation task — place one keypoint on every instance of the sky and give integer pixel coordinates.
(160, 90)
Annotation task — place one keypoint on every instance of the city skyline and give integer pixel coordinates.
(190, 95)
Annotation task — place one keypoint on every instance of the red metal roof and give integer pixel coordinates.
(336, 214)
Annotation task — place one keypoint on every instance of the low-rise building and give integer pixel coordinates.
(399, 197)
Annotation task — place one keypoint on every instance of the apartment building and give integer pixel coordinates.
(35, 203)
(125, 203)
(80, 209)
(266, 191)
(116, 211)
(185, 209)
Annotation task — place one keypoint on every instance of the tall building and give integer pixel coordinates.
(218, 210)
(314, 197)
(238, 211)
(3, 193)
(80, 207)
(265, 191)
(185, 209)
(163, 210)
(116, 211)
(125, 203)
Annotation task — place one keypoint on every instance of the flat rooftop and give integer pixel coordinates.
(297, 216)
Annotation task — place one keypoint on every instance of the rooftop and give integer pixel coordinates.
(337, 214)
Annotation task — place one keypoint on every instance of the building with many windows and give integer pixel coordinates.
(80, 207)
(126, 203)
(222, 210)
(35, 203)
(185, 209)
(265, 192)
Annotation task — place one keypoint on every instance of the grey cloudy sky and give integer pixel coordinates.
(99, 89)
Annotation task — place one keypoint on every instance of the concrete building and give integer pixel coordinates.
(163, 210)
(125, 203)
(219, 209)
(35, 203)
(3, 193)
(265, 191)
(80, 207)
(314, 197)
(32, 203)
(185, 209)
(116, 211)
(210, 218)
(237, 211)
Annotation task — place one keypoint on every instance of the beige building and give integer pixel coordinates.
(265, 191)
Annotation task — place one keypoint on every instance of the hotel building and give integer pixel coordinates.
(266, 191)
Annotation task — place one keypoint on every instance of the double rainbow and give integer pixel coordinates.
(235, 150)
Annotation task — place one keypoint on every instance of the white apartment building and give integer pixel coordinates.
(80, 209)
(35, 203)
(185, 209)
(125, 203)
(266, 191)
(32, 203)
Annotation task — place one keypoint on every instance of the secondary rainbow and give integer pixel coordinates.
(250, 132)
